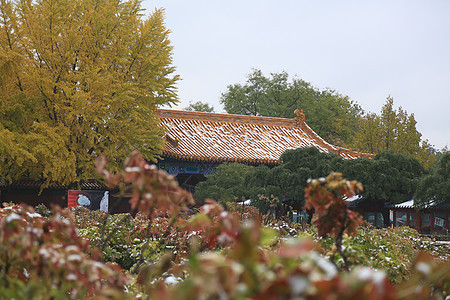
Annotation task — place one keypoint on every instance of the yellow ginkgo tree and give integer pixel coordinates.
(80, 78)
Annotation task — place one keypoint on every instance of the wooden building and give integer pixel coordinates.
(373, 211)
(28, 191)
(197, 142)
(430, 219)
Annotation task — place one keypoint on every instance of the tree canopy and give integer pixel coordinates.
(435, 186)
(389, 177)
(200, 106)
(392, 130)
(331, 115)
(79, 79)
(225, 184)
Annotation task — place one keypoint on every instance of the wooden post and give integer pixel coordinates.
(419, 221)
(431, 221)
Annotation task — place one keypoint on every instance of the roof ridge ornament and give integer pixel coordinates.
(299, 117)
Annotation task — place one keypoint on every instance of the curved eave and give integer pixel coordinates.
(217, 159)
(190, 134)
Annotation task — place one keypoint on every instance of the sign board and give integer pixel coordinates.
(92, 199)
(439, 222)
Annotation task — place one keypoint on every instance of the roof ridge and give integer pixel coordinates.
(223, 117)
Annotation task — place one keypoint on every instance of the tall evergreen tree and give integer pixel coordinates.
(387, 178)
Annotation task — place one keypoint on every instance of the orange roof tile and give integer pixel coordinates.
(225, 137)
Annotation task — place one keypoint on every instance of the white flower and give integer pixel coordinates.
(71, 277)
(74, 257)
(11, 217)
(298, 284)
(33, 215)
(423, 268)
(172, 280)
(132, 169)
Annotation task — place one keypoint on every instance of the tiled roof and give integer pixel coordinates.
(355, 201)
(406, 204)
(431, 205)
(225, 137)
(28, 183)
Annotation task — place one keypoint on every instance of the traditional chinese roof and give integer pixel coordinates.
(355, 201)
(406, 204)
(237, 138)
(431, 205)
(29, 183)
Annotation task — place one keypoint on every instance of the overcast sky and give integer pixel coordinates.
(367, 50)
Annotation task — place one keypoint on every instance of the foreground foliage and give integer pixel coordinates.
(44, 258)
(206, 255)
(392, 250)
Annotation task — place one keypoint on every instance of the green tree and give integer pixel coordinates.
(200, 106)
(435, 186)
(331, 115)
(286, 181)
(387, 178)
(246, 99)
(392, 130)
(369, 134)
(79, 79)
(225, 185)
(298, 166)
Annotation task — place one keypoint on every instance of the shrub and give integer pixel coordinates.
(122, 244)
(44, 258)
(245, 212)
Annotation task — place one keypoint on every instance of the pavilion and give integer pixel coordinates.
(197, 142)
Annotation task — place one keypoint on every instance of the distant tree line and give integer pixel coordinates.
(333, 116)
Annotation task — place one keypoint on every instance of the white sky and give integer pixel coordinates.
(367, 50)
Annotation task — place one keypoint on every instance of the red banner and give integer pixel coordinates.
(92, 199)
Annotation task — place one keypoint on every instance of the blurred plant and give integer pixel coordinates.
(46, 258)
(154, 193)
(245, 211)
(43, 210)
(325, 196)
(151, 189)
(250, 268)
(430, 280)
